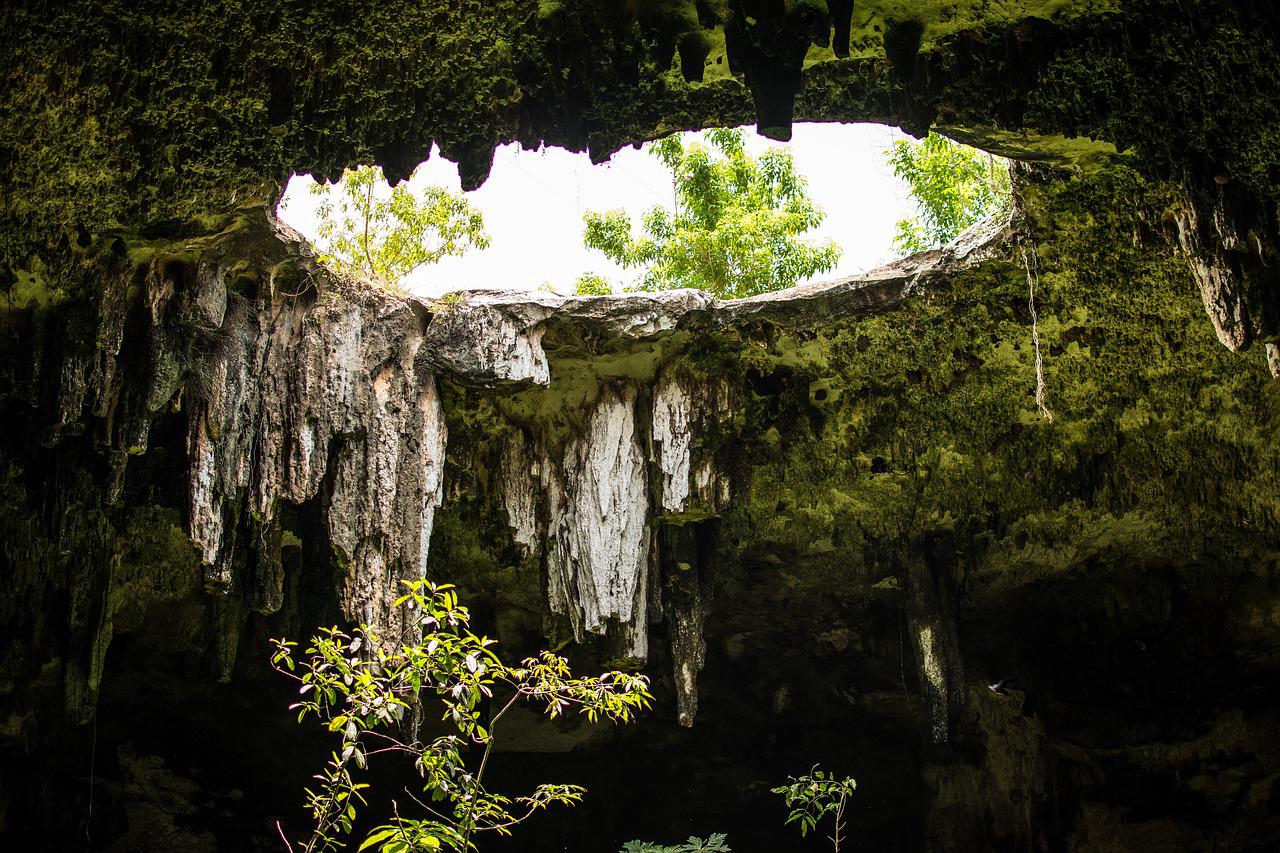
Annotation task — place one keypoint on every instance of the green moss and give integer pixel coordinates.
(1176, 94)
(471, 544)
(31, 289)
(159, 563)
(1160, 444)
(166, 129)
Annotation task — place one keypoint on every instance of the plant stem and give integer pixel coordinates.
(364, 244)
(484, 761)
(839, 822)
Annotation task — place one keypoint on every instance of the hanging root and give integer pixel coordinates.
(1031, 264)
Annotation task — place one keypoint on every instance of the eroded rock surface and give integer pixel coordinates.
(823, 521)
(599, 523)
(309, 398)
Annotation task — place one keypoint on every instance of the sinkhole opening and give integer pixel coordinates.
(726, 211)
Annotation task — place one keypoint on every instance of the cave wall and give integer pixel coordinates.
(822, 520)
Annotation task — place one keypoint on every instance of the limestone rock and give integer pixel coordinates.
(302, 397)
(598, 552)
(686, 408)
(519, 486)
(483, 344)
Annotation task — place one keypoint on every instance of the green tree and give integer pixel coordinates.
(953, 186)
(386, 232)
(362, 687)
(735, 227)
(815, 795)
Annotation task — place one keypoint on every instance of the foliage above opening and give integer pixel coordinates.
(953, 186)
(735, 230)
(385, 233)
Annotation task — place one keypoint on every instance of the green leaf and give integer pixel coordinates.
(378, 836)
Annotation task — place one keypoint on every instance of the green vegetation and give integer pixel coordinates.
(590, 284)
(715, 843)
(367, 690)
(810, 798)
(446, 302)
(953, 186)
(815, 795)
(735, 228)
(387, 233)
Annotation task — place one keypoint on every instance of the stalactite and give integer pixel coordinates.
(518, 483)
(685, 409)
(385, 496)
(294, 396)
(586, 503)
(685, 556)
(932, 621)
(1207, 236)
(598, 539)
(672, 437)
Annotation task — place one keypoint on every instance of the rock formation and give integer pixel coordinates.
(823, 520)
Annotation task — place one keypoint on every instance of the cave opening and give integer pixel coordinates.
(534, 202)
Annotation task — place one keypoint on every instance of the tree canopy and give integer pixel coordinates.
(953, 186)
(385, 232)
(735, 230)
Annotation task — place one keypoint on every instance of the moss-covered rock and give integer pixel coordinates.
(159, 127)
(1023, 621)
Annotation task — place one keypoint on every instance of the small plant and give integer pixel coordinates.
(361, 688)
(447, 302)
(385, 233)
(715, 843)
(590, 284)
(815, 795)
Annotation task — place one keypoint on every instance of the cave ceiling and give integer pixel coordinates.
(163, 126)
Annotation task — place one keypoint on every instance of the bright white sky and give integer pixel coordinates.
(533, 204)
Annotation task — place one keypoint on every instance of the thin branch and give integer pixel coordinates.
(442, 817)
(287, 845)
(484, 761)
(395, 811)
(364, 244)
(513, 822)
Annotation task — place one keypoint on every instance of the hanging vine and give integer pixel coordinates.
(1031, 263)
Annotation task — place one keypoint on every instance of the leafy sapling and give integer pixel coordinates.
(384, 233)
(815, 795)
(361, 687)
